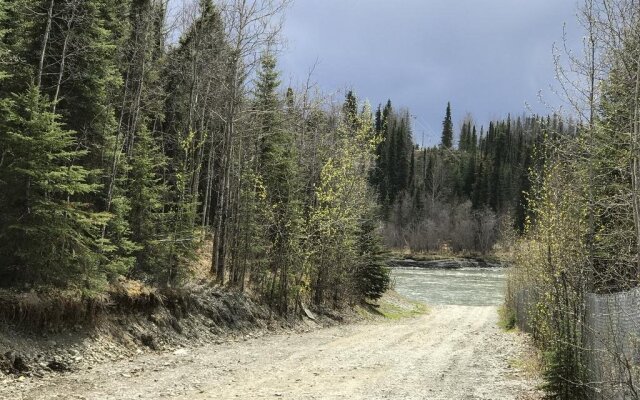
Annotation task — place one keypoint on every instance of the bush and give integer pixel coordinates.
(507, 318)
(372, 277)
(374, 280)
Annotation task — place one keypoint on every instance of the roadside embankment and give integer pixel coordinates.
(452, 352)
(44, 334)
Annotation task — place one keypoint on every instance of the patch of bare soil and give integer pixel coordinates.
(454, 352)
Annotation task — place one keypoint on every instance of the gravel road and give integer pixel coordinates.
(454, 352)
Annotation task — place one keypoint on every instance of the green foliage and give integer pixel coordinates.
(372, 276)
(563, 374)
(508, 318)
(446, 141)
(552, 267)
(122, 155)
(581, 222)
(146, 192)
(48, 233)
(278, 175)
(392, 173)
(343, 200)
(3, 31)
(459, 196)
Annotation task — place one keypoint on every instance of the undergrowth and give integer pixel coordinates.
(506, 318)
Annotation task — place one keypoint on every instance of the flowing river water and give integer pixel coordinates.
(464, 286)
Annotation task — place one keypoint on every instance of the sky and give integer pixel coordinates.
(487, 57)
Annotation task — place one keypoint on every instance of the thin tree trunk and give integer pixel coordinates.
(64, 57)
(217, 266)
(209, 187)
(45, 42)
(133, 128)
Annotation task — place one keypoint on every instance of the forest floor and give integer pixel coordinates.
(451, 352)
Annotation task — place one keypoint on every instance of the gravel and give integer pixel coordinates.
(454, 352)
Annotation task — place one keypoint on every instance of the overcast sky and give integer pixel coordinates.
(488, 57)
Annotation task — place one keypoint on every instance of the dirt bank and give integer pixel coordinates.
(196, 317)
(454, 352)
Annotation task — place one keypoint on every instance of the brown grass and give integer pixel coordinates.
(50, 309)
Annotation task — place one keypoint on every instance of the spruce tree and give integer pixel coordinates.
(372, 277)
(279, 173)
(149, 222)
(48, 233)
(140, 113)
(350, 111)
(69, 49)
(447, 130)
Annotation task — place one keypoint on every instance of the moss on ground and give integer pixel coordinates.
(393, 306)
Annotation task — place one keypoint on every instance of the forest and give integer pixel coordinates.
(132, 147)
(158, 145)
(462, 196)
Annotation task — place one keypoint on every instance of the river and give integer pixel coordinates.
(464, 286)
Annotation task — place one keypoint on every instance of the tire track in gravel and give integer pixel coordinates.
(454, 352)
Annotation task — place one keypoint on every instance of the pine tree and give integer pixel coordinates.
(278, 175)
(447, 130)
(350, 111)
(147, 218)
(372, 278)
(48, 234)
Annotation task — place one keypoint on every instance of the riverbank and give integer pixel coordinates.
(400, 258)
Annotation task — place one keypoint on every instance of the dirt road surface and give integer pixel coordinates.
(454, 352)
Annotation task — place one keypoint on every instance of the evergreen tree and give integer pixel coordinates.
(190, 126)
(350, 110)
(48, 234)
(3, 48)
(372, 278)
(278, 175)
(446, 141)
(148, 221)
(119, 155)
(139, 113)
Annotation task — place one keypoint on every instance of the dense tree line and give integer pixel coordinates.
(458, 197)
(128, 146)
(583, 235)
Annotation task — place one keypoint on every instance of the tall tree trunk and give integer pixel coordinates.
(45, 43)
(63, 58)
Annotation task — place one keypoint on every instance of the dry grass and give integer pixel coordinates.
(200, 269)
(50, 309)
(530, 363)
(134, 294)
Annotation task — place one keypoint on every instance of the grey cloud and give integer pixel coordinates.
(487, 57)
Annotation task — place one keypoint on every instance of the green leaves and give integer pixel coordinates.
(131, 156)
